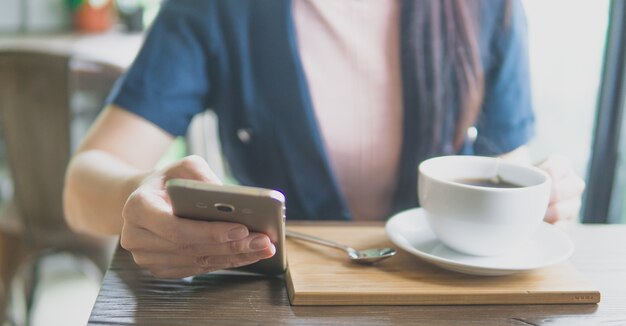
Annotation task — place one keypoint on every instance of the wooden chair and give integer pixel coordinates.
(37, 94)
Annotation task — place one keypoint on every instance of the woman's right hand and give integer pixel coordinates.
(173, 247)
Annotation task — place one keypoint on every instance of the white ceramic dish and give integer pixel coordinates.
(410, 231)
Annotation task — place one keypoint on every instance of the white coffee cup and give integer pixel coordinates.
(481, 220)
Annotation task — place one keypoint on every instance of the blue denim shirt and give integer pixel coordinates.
(240, 59)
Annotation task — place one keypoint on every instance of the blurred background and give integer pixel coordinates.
(60, 57)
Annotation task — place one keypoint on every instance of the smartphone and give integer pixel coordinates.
(261, 210)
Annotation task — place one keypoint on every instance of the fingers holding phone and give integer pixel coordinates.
(173, 247)
(260, 210)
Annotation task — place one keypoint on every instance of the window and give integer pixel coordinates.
(566, 44)
(607, 173)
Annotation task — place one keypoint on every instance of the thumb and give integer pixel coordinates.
(192, 167)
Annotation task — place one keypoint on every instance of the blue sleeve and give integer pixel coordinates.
(507, 120)
(168, 83)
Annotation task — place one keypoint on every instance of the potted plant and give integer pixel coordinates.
(92, 15)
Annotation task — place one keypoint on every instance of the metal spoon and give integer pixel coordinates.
(367, 256)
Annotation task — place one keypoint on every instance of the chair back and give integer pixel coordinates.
(37, 96)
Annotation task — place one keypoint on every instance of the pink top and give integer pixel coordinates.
(350, 54)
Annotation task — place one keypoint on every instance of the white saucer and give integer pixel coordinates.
(410, 231)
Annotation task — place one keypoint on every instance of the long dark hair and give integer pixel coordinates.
(449, 73)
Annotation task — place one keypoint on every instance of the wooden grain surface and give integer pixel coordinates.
(323, 276)
(131, 296)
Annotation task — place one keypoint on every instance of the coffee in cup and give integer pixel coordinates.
(482, 206)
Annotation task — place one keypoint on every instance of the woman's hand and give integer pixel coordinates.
(173, 247)
(567, 189)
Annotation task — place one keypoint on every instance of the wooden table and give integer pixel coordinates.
(131, 296)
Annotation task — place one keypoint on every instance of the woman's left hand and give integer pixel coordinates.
(567, 189)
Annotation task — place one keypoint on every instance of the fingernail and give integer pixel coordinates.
(259, 243)
(273, 250)
(238, 233)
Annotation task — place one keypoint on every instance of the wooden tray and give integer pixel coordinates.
(323, 276)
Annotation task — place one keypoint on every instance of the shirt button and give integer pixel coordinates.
(244, 135)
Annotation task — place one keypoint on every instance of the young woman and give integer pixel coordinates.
(334, 103)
